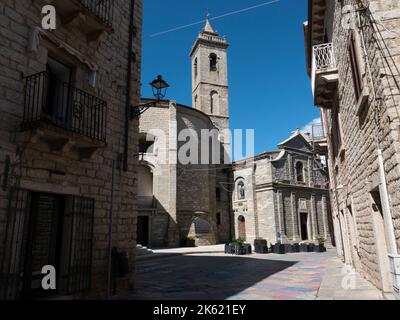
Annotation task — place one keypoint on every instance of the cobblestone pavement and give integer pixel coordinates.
(215, 276)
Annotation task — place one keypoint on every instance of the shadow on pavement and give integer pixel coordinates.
(200, 277)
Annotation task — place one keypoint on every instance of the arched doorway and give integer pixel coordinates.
(304, 225)
(242, 227)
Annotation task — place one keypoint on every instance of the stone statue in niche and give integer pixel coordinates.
(242, 190)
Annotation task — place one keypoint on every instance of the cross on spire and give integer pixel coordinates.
(208, 14)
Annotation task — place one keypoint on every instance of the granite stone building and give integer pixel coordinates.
(180, 195)
(64, 97)
(281, 196)
(353, 57)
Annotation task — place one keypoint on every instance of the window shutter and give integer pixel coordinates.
(355, 67)
(14, 251)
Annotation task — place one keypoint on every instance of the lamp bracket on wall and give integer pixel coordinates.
(136, 111)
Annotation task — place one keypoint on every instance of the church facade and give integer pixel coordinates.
(281, 196)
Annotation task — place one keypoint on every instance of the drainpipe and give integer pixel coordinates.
(128, 86)
(110, 223)
(386, 204)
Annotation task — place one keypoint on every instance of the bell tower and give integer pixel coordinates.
(210, 76)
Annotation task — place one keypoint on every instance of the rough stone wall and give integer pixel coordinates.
(164, 172)
(36, 169)
(359, 132)
(224, 181)
(245, 207)
(281, 170)
(196, 183)
(266, 214)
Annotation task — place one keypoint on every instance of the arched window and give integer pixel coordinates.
(213, 62)
(196, 68)
(300, 172)
(241, 192)
(214, 102)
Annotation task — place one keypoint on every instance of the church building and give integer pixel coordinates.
(279, 196)
(180, 200)
(282, 196)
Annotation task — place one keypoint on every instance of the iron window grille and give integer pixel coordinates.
(16, 243)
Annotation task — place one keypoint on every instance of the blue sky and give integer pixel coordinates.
(269, 88)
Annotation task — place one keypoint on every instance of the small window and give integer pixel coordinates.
(214, 102)
(336, 133)
(355, 67)
(300, 171)
(218, 194)
(195, 67)
(218, 218)
(241, 191)
(213, 62)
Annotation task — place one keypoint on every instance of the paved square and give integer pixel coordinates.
(216, 276)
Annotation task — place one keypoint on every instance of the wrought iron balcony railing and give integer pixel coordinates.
(324, 71)
(323, 57)
(51, 101)
(104, 9)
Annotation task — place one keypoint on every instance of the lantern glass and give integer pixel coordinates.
(159, 87)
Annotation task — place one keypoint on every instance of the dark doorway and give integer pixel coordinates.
(242, 228)
(381, 241)
(143, 231)
(304, 225)
(44, 240)
(59, 93)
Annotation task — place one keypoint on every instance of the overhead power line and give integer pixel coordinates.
(215, 18)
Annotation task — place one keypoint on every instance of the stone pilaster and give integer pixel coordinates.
(325, 216)
(314, 228)
(295, 217)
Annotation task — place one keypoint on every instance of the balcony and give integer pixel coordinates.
(324, 74)
(93, 17)
(318, 139)
(63, 115)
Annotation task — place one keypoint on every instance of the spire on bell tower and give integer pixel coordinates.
(208, 27)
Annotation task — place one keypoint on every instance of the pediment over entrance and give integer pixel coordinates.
(296, 141)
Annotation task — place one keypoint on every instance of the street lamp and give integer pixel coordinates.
(159, 87)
